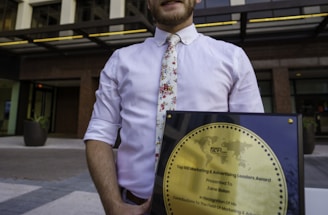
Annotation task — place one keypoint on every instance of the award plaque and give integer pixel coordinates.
(230, 163)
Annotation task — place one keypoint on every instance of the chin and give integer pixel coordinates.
(173, 18)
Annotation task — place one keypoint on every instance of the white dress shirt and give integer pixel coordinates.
(212, 76)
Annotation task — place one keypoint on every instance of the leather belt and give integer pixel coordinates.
(135, 199)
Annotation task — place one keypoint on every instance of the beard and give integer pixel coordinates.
(173, 19)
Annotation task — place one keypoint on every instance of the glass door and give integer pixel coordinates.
(42, 101)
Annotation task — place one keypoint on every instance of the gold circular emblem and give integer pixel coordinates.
(224, 168)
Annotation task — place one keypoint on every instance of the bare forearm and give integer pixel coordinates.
(101, 163)
(100, 159)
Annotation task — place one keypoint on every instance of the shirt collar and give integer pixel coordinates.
(187, 35)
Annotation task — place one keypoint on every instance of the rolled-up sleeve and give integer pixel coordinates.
(105, 120)
(245, 95)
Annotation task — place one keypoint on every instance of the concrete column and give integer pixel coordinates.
(88, 87)
(67, 15)
(314, 9)
(281, 90)
(237, 2)
(68, 9)
(24, 15)
(117, 10)
(236, 16)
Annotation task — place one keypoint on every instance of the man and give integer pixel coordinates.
(212, 76)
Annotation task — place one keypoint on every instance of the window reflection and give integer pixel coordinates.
(90, 10)
(46, 15)
(210, 4)
(8, 11)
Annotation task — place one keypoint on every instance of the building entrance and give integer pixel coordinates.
(59, 103)
(41, 103)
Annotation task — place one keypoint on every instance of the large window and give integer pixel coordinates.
(90, 10)
(8, 103)
(271, 13)
(311, 99)
(210, 4)
(8, 12)
(311, 96)
(324, 9)
(260, 1)
(46, 15)
(264, 78)
(213, 3)
(136, 6)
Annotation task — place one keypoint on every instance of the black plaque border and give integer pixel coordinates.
(180, 123)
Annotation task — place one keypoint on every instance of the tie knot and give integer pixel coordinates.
(173, 39)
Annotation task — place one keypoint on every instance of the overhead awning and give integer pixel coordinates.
(242, 24)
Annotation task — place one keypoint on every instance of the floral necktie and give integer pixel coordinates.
(167, 89)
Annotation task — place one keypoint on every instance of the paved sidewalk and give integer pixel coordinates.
(52, 179)
(16, 142)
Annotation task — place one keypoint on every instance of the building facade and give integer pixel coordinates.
(52, 52)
